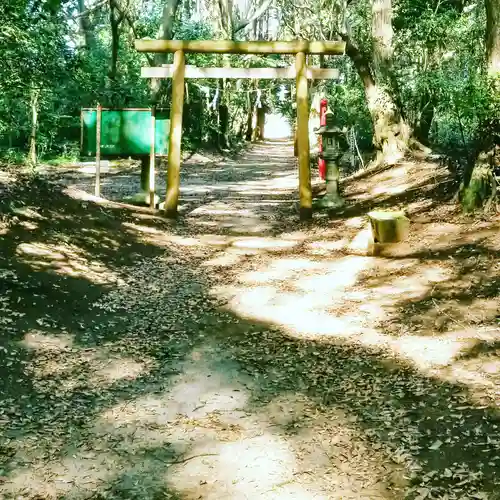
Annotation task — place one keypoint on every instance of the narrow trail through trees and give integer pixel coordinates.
(245, 194)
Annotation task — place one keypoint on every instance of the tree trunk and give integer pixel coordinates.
(115, 20)
(481, 188)
(32, 157)
(382, 49)
(382, 34)
(390, 131)
(223, 108)
(255, 130)
(84, 26)
(226, 18)
(145, 174)
(223, 126)
(165, 32)
(251, 19)
(167, 26)
(493, 36)
(425, 119)
(229, 28)
(256, 116)
(250, 118)
(261, 121)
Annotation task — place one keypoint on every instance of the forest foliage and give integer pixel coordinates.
(416, 72)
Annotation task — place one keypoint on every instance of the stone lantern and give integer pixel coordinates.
(334, 145)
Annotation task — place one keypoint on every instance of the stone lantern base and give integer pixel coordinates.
(332, 199)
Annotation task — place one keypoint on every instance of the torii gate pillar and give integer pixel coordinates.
(305, 193)
(174, 150)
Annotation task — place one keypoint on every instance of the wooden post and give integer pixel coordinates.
(305, 192)
(152, 158)
(98, 151)
(81, 131)
(174, 149)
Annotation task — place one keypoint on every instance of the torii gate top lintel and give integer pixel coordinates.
(334, 48)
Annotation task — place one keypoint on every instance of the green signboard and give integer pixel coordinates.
(124, 132)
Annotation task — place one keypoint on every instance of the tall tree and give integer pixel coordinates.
(166, 32)
(231, 22)
(369, 45)
(116, 17)
(85, 27)
(391, 132)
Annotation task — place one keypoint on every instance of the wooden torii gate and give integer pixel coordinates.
(179, 71)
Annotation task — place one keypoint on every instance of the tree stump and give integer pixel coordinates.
(389, 227)
(481, 190)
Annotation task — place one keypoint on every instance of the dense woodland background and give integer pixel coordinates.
(416, 73)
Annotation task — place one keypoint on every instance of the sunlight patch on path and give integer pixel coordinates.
(65, 260)
(57, 355)
(350, 298)
(232, 451)
(295, 293)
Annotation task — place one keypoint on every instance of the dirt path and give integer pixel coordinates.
(238, 354)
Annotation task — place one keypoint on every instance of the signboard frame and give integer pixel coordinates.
(125, 132)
